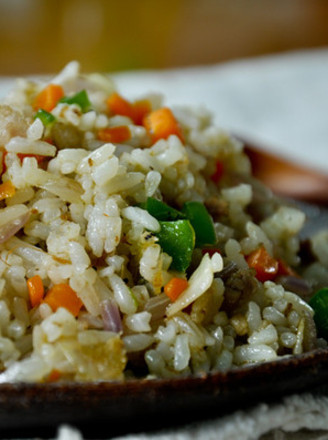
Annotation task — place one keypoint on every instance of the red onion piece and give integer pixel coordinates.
(296, 285)
(111, 316)
(157, 306)
(9, 229)
(228, 270)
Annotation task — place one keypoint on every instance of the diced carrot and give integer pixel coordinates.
(141, 108)
(119, 106)
(266, 267)
(284, 269)
(62, 295)
(54, 375)
(161, 123)
(35, 290)
(3, 161)
(115, 134)
(48, 97)
(175, 287)
(38, 157)
(7, 189)
(136, 111)
(218, 173)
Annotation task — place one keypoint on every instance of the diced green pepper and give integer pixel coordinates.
(45, 117)
(201, 222)
(81, 98)
(162, 211)
(180, 231)
(177, 239)
(319, 303)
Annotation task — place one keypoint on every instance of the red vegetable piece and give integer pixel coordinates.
(218, 173)
(266, 267)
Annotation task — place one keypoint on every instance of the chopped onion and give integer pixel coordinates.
(157, 306)
(16, 217)
(228, 270)
(111, 316)
(295, 285)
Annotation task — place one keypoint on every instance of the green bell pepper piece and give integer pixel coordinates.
(81, 98)
(45, 117)
(177, 239)
(162, 211)
(319, 303)
(201, 222)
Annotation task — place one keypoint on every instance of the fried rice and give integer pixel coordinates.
(134, 241)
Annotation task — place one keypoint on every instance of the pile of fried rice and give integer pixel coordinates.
(134, 241)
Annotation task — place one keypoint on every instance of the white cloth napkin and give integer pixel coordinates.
(298, 417)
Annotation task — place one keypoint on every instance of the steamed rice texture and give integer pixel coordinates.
(88, 269)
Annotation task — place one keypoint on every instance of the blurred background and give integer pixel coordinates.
(38, 36)
(280, 103)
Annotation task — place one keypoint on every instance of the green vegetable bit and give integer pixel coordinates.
(177, 239)
(162, 211)
(81, 98)
(180, 231)
(319, 303)
(201, 222)
(45, 117)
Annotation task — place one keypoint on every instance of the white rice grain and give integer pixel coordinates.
(181, 352)
(288, 339)
(30, 146)
(139, 322)
(155, 362)
(123, 295)
(273, 315)
(106, 171)
(79, 258)
(166, 334)
(61, 323)
(246, 354)
(267, 336)
(152, 182)
(35, 130)
(224, 361)
(253, 316)
(142, 217)
(139, 342)
(16, 329)
(199, 282)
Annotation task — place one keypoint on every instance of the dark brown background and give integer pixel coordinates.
(107, 35)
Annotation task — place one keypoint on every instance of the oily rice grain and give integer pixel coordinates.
(97, 238)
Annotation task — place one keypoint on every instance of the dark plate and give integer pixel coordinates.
(110, 409)
(107, 409)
